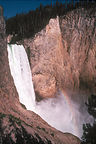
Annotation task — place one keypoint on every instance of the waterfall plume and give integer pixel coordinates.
(60, 112)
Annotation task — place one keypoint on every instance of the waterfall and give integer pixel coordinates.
(21, 73)
(61, 112)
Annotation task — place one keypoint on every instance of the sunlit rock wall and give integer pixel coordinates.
(63, 55)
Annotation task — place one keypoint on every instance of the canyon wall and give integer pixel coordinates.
(8, 92)
(17, 125)
(78, 30)
(63, 55)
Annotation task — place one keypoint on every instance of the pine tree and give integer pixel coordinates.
(89, 133)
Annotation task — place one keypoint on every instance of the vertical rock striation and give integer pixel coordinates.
(46, 59)
(17, 125)
(79, 39)
(8, 92)
(63, 55)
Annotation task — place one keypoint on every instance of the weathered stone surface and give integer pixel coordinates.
(63, 55)
(14, 130)
(46, 59)
(17, 125)
(79, 39)
(8, 92)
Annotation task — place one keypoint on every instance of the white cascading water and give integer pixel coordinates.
(20, 71)
(57, 112)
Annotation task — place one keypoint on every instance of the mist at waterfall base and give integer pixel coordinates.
(61, 112)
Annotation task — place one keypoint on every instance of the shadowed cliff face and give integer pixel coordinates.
(63, 55)
(17, 125)
(8, 92)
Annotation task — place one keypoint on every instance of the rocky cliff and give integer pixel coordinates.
(17, 125)
(7, 89)
(63, 55)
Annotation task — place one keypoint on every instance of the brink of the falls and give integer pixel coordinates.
(61, 112)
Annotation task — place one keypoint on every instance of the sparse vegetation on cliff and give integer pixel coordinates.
(13, 132)
(27, 25)
(89, 133)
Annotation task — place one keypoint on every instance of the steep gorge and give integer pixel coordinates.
(63, 55)
(17, 125)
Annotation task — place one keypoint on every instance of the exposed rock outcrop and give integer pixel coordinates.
(63, 55)
(79, 39)
(7, 89)
(32, 130)
(46, 59)
(17, 125)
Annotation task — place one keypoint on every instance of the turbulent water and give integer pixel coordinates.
(61, 112)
